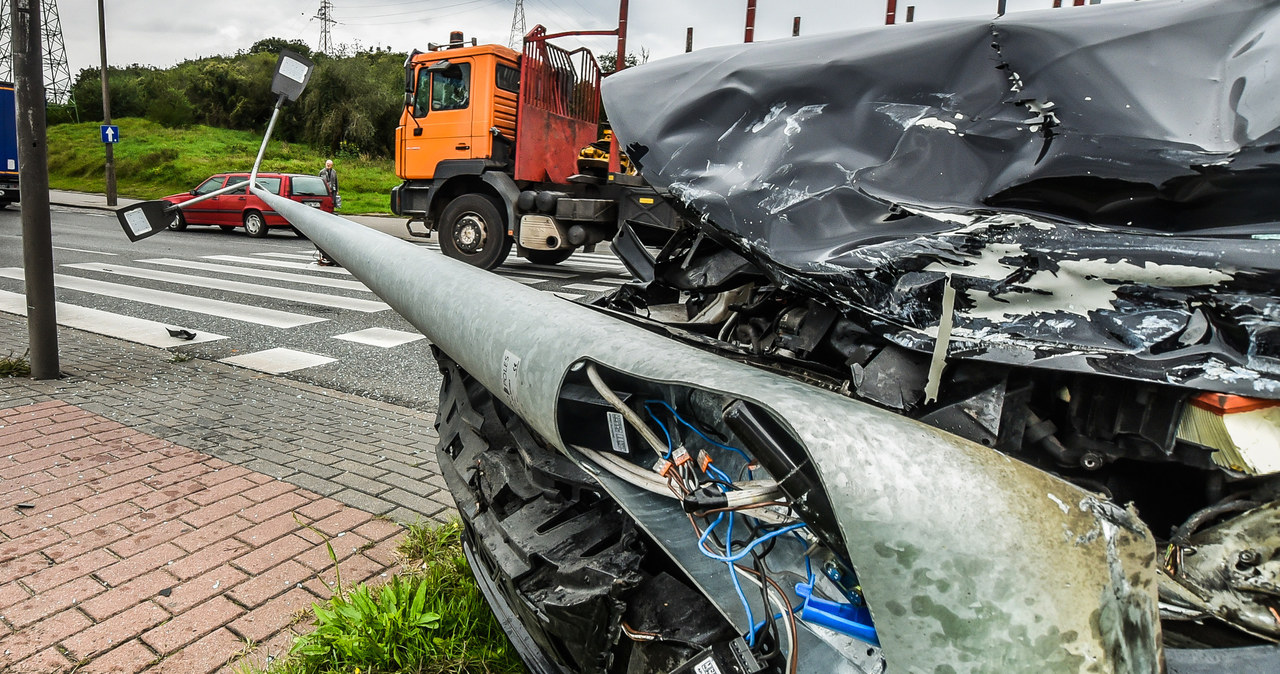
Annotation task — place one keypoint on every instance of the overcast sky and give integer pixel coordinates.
(165, 32)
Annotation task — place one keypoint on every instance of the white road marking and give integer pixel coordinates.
(566, 296)
(613, 281)
(527, 280)
(239, 312)
(279, 264)
(291, 256)
(525, 268)
(128, 328)
(278, 361)
(81, 250)
(255, 289)
(261, 273)
(383, 337)
(587, 287)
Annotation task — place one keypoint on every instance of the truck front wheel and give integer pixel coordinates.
(472, 230)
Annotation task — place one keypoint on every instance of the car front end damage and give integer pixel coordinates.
(966, 362)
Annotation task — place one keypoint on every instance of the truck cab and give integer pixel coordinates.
(488, 147)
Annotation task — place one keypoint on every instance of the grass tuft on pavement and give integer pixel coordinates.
(153, 161)
(15, 366)
(429, 619)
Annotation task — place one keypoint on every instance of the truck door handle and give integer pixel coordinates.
(463, 146)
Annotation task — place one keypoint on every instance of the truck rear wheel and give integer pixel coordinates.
(472, 230)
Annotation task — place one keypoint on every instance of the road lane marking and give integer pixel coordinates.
(279, 264)
(527, 280)
(566, 296)
(255, 289)
(261, 273)
(119, 326)
(278, 361)
(291, 256)
(240, 312)
(587, 287)
(383, 337)
(525, 268)
(81, 250)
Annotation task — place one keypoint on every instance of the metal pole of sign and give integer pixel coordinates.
(33, 186)
(106, 106)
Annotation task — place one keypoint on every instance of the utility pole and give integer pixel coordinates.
(325, 15)
(515, 40)
(33, 185)
(106, 106)
(750, 35)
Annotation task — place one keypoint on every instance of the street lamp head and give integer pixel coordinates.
(293, 71)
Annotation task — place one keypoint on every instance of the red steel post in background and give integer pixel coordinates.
(911, 13)
(751, 22)
(688, 39)
(1057, 4)
(615, 164)
(891, 13)
(1078, 3)
(795, 27)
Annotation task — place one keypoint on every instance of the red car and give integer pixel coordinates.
(239, 208)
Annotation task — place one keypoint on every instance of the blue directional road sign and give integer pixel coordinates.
(110, 133)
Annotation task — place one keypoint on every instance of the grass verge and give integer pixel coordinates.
(153, 161)
(429, 619)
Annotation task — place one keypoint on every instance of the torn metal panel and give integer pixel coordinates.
(1098, 211)
(924, 513)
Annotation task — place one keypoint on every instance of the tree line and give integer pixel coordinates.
(351, 106)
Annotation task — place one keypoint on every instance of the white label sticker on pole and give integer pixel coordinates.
(618, 433)
(294, 70)
(13, 165)
(510, 375)
(137, 222)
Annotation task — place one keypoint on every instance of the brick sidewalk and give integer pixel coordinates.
(136, 551)
(147, 507)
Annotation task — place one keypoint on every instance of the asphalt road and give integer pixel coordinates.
(249, 296)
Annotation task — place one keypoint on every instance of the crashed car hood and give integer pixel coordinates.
(1098, 185)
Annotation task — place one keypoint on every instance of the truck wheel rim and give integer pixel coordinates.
(469, 235)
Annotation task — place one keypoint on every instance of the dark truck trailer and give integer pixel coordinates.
(8, 146)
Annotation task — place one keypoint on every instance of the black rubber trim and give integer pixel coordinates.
(520, 637)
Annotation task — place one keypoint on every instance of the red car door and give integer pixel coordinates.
(207, 211)
(230, 206)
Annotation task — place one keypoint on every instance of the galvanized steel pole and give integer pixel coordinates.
(33, 185)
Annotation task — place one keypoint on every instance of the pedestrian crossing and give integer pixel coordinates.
(276, 291)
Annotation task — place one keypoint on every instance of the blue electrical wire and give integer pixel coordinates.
(733, 573)
(730, 558)
(695, 429)
(663, 426)
(719, 474)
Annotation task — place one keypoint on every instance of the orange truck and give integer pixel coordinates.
(497, 147)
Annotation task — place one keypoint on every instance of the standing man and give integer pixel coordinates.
(330, 178)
